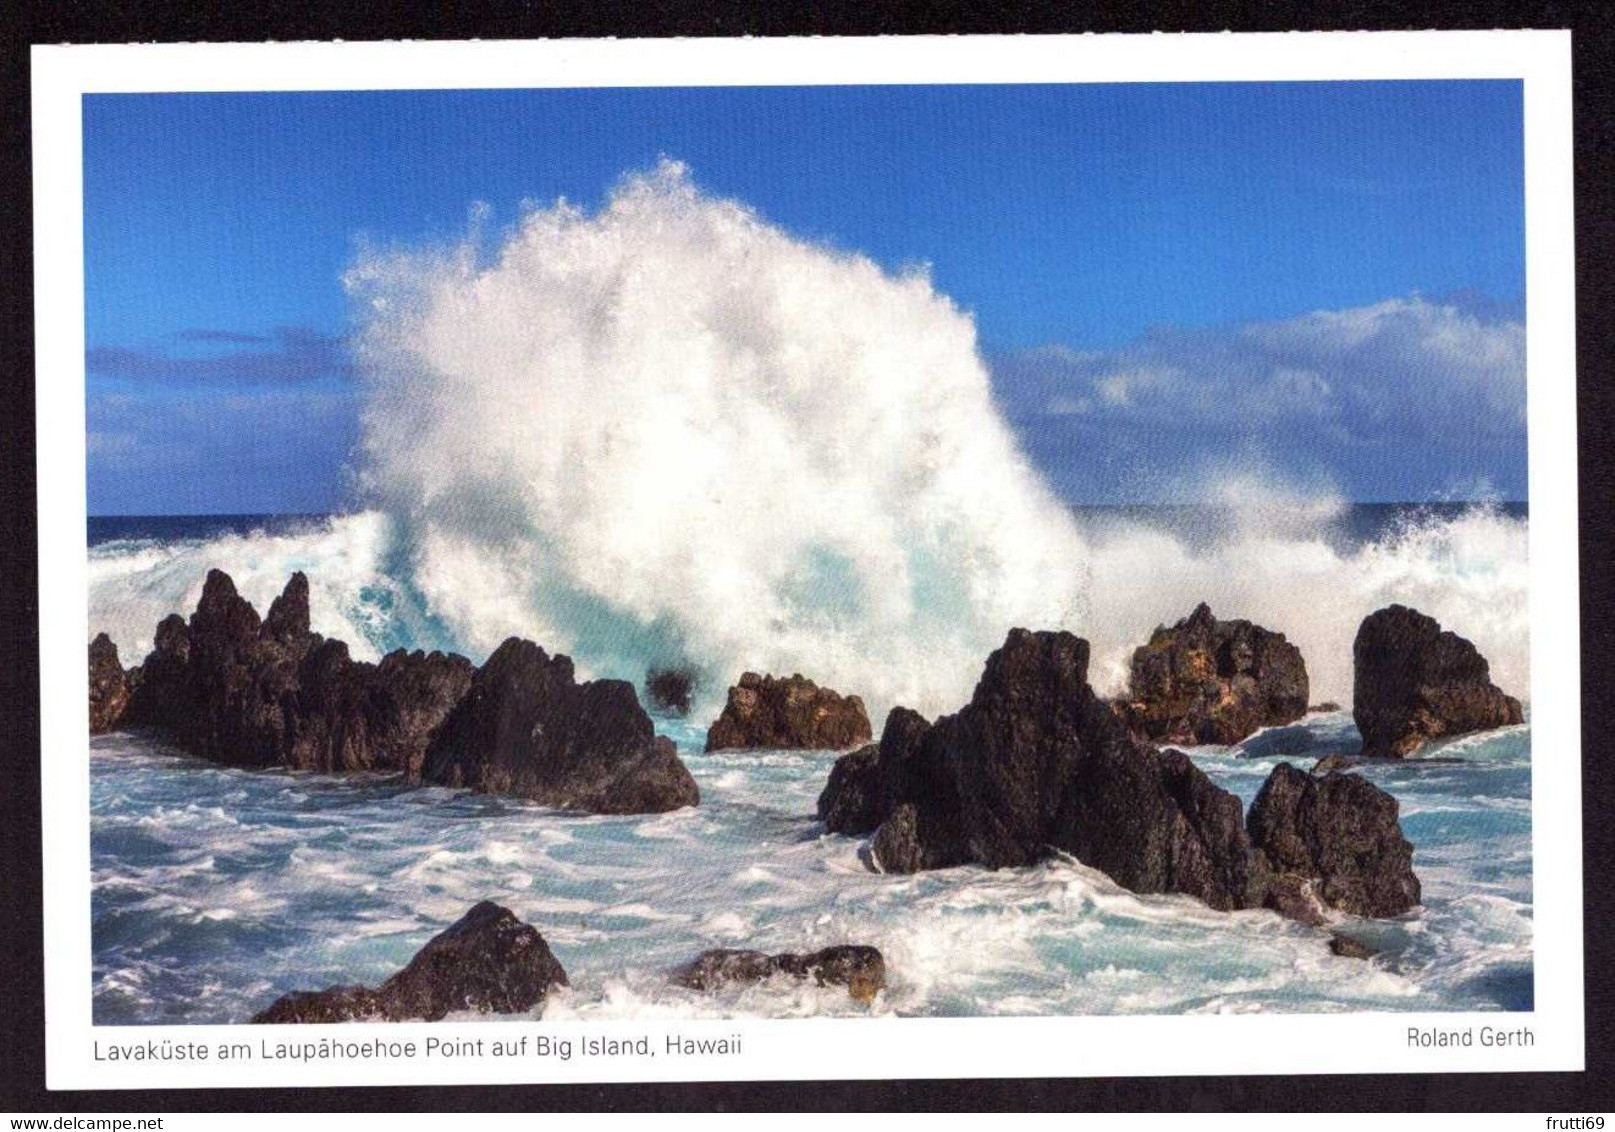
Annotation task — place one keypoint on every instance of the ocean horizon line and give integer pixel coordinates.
(1081, 506)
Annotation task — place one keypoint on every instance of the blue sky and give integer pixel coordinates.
(1326, 277)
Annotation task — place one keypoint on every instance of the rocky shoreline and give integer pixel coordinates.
(1036, 763)
(232, 689)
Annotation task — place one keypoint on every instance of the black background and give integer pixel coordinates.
(22, 1021)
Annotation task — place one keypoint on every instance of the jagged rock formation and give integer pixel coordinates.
(109, 686)
(1339, 834)
(788, 712)
(862, 970)
(233, 689)
(1037, 762)
(527, 728)
(488, 961)
(1210, 681)
(1413, 682)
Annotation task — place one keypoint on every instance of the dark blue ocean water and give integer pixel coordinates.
(1359, 523)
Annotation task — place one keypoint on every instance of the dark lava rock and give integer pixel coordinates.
(915, 837)
(1340, 832)
(788, 712)
(109, 686)
(1154, 822)
(164, 699)
(669, 690)
(1294, 897)
(489, 961)
(1350, 948)
(527, 728)
(232, 689)
(870, 783)
(1414, 681)
(1326, 706)
(334, 1004)
(353, 715)
(1037, 762)
(221, 687)
(1210, 681)
(1335, 762)
(850, 801)
(862, 970)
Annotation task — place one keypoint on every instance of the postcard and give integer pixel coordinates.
(785, 559)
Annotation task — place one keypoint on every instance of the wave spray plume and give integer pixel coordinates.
(669, 433)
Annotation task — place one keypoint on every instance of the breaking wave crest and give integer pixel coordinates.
(671, 434)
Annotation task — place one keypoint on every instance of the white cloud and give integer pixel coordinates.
(1393, 397)
(1408, 366)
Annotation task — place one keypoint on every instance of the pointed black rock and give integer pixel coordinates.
(235, 690)
(1339, 837)
(488, 961)
(1036, 762)
(527, 728)
(1414, 681)
(109, 686)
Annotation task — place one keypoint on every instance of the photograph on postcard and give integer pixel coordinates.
(765, 552)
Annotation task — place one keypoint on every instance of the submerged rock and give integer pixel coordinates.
(1349, 947)
(669, 690)
(1335, 761)
(788, 712)
(488, 961)
(1210, 681)
(1326, 706)
(109, 686)
(527, 728)
(1037, 762)
(1414, 681)
(1340, 833)
(862, 970)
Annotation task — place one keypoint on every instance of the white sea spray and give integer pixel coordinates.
(670, 433)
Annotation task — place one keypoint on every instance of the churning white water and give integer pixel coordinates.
(217, 890)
